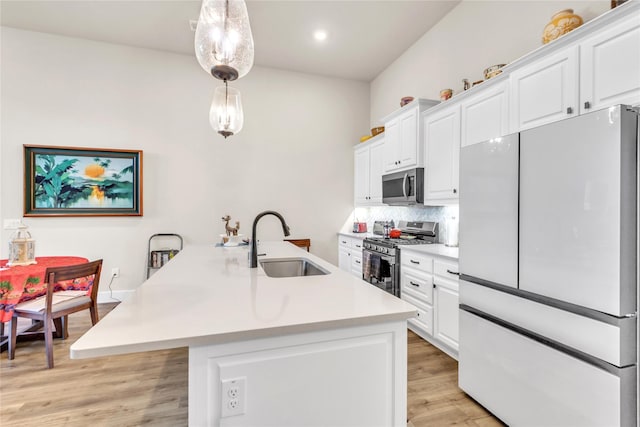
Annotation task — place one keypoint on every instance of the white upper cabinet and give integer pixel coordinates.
(408, 153)
(368, 160)
(442, 154)
(403, 137)
(485, 115)
(610, 66)
(376, 160)
(545, 91)
(361, 175)
(594, 72)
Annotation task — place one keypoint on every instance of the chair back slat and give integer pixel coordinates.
(74, 271)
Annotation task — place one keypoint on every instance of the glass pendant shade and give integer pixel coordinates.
(226, 115)
(223, 42)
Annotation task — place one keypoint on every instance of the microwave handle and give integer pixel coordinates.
(404, 185)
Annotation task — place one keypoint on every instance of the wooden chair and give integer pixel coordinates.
(54, 307)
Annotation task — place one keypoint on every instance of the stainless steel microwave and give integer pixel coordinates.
(403, 188)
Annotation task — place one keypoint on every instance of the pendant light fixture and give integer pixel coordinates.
(223, 42)
(226, 115)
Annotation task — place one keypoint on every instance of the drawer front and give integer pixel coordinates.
(418, 284)
(525, 382)
(356, 245)
(344, 242)
(424, 316)
(446, 269)
(356, 261)
(611, 343)
(418, 261)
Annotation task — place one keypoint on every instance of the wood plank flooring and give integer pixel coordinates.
(151, 388)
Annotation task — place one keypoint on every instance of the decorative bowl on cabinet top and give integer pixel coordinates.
(561, 23)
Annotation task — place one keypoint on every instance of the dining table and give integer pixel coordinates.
(20, 283)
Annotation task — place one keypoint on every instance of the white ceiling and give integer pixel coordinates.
(365, 36)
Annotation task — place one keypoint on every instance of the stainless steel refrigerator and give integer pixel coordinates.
(549, 272)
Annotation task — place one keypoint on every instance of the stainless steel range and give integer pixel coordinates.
(380, 257)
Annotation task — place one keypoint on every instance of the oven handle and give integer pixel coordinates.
(391, 260)
(404, 185)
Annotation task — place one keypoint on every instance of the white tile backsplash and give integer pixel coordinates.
(405, 213)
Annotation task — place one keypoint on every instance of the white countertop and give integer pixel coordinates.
(438, 249)
(208, 295)
(360, 236)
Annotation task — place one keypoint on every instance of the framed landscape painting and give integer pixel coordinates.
(66, 181)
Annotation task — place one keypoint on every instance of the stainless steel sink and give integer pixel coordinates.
(291, 267)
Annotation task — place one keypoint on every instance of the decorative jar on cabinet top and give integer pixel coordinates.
(561, 23)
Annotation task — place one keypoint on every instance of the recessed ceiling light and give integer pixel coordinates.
(320, 35)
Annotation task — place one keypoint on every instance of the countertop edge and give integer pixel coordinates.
(437, 249)
(239, 336)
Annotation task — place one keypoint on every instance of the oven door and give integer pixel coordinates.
(384, 274)
(403, 188)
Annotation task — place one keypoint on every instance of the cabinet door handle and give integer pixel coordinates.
(414, 262)
(417, 285)
(587, 105)
(344, 242)
(569, 110)
(434, 286)
(358, 262)
(358, 246)
(453, 272)
(455, 190)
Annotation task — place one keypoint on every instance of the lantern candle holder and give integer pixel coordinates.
(22, 248)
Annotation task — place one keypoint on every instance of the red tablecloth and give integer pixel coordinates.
(24, 282)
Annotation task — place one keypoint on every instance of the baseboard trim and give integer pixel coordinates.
(115, 296)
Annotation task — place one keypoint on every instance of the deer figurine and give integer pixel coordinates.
(230, 230)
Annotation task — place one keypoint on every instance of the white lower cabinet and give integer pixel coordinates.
(431, 284)
(350, 254)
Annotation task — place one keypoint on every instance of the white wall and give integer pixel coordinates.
(294, 154)
(473, 36)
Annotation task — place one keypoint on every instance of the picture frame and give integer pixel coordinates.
(77, 181)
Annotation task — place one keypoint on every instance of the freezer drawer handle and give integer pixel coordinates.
(453, 272)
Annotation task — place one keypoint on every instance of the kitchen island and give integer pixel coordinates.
(314, 350)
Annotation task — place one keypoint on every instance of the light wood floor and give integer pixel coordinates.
(151, 388)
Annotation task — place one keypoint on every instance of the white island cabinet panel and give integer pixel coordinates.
(305, 379)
